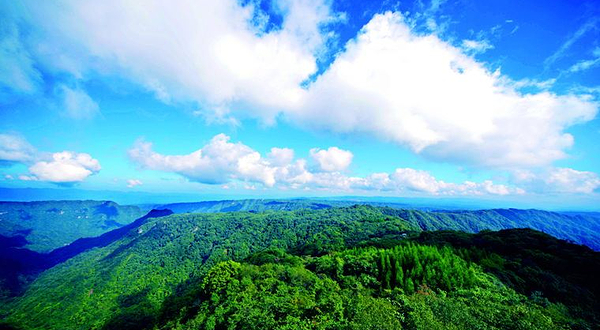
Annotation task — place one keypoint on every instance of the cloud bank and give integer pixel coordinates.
(422, 92)
(66, 167)
(223, 162)
(390, 82)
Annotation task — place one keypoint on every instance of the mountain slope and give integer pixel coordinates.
(49, 225)
(253, 205)
(177, 272)
(148, 264)
(579, 227)
(20, 266)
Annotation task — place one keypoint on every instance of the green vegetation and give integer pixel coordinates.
(148, 264)
(50, 225)
(53, 224)
(579, 227)
(353, 290)
(337, 268)
(532, 263)
(252, 205)
(582, 228)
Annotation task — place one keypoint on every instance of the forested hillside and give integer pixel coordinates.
(337, 268)
(45, 226)
(578, 227)
(253, 205)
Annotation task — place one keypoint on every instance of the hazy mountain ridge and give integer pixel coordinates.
(52, 224)
(578, 227)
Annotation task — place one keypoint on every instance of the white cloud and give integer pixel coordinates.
(210, 52)
(584, 65)
(413, 89)
(134, 182)
(14, 148)
(24, 177)
(570, 180)
(77, 103)
(65, 167)
(424, 93)
(217, 162)
(17, 70)
(417, 180)
(225, 163)
(281, 156)
(563, 49)
(60, 167)
(423, 181)
(558, 180)
(543, 85)
(332, 159)
(476, 46)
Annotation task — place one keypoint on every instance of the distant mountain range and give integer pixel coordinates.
(152, 199)
(48, 225)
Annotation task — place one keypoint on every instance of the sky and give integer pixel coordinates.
(430, 99)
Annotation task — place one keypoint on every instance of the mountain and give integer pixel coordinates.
(581, 228)
(578, 227)
(20, 265)
(53, 224)
(49, 225)
(313, 269)
(252, 205)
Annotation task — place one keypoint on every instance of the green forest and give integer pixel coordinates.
(49, 225)
(358, 267)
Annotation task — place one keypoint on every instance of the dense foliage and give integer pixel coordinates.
(153, 259)
(532, 263)
(353, 290)
(579, 227)
(337, 268)
(45, 226)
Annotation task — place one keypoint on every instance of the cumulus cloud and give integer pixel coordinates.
(414, 89)
(134, 182)
(332, 159)
(558, 180)
(65, 167)
(224, 54)
(281, 156)
(423, 181)
(77, 103)
(217, 162)
(224, 162)
(391, 82)
(422, 92)
(15, 148)
(60, 167)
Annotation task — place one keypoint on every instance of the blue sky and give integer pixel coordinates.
(442, 99)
